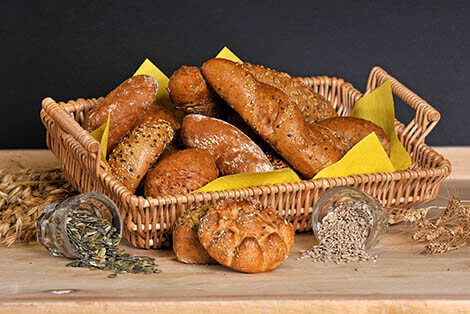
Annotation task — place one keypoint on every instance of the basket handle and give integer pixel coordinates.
(70, 126)
(426, 116)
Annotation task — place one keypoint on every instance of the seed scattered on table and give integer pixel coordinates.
(96, 242)
(342, 234)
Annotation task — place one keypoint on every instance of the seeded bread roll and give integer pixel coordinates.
(125, 104)
(158, 112)
(190, 93)
(138, 151)
(186, 244)
(313, 106)
(353, 130)
(272, 115)
(244, 236)
(180, 172)
(233, 151)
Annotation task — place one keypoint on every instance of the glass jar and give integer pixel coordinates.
(329, 200)
(51, 224)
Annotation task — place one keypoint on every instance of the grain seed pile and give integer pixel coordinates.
(342, 233)
(96, 243)
(23, 195)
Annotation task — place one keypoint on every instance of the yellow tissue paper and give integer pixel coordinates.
(148, 68)
(378, 107)
(226, 53)
(367, 156)
(101, 135)
(247, 179)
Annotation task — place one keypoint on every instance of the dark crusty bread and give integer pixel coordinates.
(244, 236)
(125, 104)
(190, 93)
(138, 151)
(233, 151)
(352, 130)
(186, 244)
(313, 106)
(180, 172)
(272, 115)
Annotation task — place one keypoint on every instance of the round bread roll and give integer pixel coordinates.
(180, 172)
(190, 93)
(125, 105)
(186, 244)
(245, 237)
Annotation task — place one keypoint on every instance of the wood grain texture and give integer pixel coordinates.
(400, 281)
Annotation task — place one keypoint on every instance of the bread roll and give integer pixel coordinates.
(190, 93)
(158, 112)
(186, 244)
(352, 130)
(180, 172)
(125, 104)
(244, 236)
(138, 150)
(233, 151)
(270, 113)
(313, 106)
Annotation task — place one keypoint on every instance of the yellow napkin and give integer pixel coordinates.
(226, 53)
(247, 179)
(101, 135)
(368, 155)
(378, 107)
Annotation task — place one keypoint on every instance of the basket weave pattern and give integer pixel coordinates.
(147, 222)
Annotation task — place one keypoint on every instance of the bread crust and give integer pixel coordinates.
(313, 106)
(125, 104)
(180, 172)
(138, 151)
(186, 243)
(351, 130)
(246, 237)
(278, 121)
(190, 93)
(232, 150)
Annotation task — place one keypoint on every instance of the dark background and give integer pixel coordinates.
(73, 49)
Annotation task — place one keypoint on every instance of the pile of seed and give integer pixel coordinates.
(23, 195)
(342, 233)
(96, 242)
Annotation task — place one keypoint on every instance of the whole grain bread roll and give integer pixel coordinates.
(272, 115)
(186, 244)
(180, 172)
(190, 93)
(352, 130)
(125, 104)
(313, 106)
(233, 151)
(138, 151)
(245, 237)
(158, 112)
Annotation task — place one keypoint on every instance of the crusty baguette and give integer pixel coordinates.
(233, 151)
(246, 237)
(125, 104)
(313, 106)
(352, 130)
(180, 172)
(270, 113)
(186, 243)
(190, 93)
(138, 151)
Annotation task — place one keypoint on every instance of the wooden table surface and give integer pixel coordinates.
(400, 281)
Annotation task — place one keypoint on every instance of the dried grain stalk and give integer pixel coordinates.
(445, 232)
(23, 195)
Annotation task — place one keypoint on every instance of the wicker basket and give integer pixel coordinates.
(147, 221)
